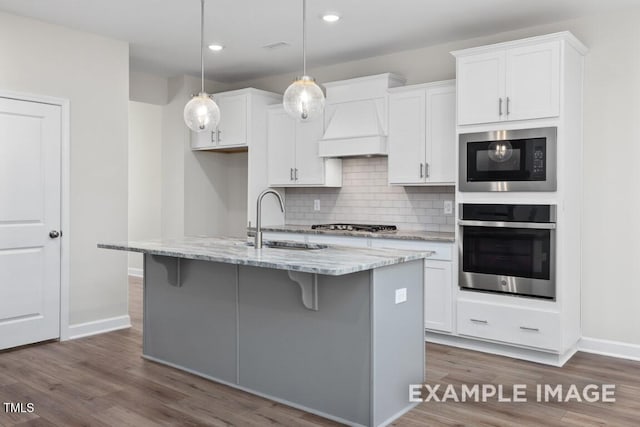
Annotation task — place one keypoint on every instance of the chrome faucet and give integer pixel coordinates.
(258, 239)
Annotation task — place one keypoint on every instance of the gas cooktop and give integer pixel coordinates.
(371, 228)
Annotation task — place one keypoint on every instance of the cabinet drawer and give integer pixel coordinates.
(510, 324)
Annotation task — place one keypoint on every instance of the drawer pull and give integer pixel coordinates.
(525, 328)
(484, 322)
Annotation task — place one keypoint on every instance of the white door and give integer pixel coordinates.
(281, 135)
(310, 166)
(406, 140)
(441, 135)
(232, 129)
(29, 210)
(533, 81)
(481, 87)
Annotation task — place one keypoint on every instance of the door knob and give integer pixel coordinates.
(54, 234)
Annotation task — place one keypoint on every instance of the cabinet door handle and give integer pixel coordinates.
(213, 136)
(291, 174)
(421, 170)
(500, 106)
(484, 322)
(295, 173)
(426, 170)
(526, 328)
(219, 137)
(508, 100)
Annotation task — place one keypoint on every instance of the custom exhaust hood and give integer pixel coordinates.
(356, 116)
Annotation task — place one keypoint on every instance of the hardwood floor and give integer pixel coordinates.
(103, 381)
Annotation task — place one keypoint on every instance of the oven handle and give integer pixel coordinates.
(534, 225)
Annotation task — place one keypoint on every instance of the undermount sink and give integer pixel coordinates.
(289, 245)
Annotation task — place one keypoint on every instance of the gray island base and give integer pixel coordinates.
(336, 345)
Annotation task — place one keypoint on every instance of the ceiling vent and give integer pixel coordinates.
(276, 45)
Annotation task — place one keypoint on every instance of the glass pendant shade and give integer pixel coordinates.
(500, 151)
(304, 99)
(201, 113)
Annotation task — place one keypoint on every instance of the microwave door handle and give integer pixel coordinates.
(502, 224)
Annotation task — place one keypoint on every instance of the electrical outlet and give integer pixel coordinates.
(401, 295)
(448, 207)
(316, 205)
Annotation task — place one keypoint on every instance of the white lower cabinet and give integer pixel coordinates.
(438, 270)
(510, 324)
(438, 280)
(438, 295)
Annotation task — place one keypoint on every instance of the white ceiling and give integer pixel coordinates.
(164, 34)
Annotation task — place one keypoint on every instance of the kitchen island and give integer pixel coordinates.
(336, 331)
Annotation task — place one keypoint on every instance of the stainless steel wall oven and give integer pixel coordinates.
(508, 249)
(508, 160)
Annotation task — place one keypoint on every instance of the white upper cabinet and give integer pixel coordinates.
(518, 80)
(240, 112)
(232, 129)
(406, 140)
(281, 139)
(422, 136)
(481, 88)
(441, 135)
(533, 81)
(292, 153)
(310, 169)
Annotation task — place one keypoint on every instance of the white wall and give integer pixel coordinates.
(93, 73)
(173, 137)
(148, 88)
(236, 200)
(202, 192)
(611, 230)
(145, 179)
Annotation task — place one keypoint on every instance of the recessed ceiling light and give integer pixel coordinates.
(216, 47)
(330, 17)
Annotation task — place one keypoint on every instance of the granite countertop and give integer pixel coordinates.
(332, 260)
(431, 236)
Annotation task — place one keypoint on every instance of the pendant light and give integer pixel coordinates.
(304, 99)
(201, 113)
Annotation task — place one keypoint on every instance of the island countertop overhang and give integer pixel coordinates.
(332, 260)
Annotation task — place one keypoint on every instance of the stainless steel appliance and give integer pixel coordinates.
(508, 160)
(371, 228)
(508, 249)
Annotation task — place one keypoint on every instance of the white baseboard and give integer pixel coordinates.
(531, 355)
(101, 326)
(609, 348)
(136, 272)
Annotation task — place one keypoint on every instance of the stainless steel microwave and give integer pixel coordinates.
(509, 160)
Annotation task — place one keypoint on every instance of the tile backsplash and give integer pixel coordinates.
(365, 197)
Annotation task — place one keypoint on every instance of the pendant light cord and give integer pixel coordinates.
(202, 45)
(304, 37)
